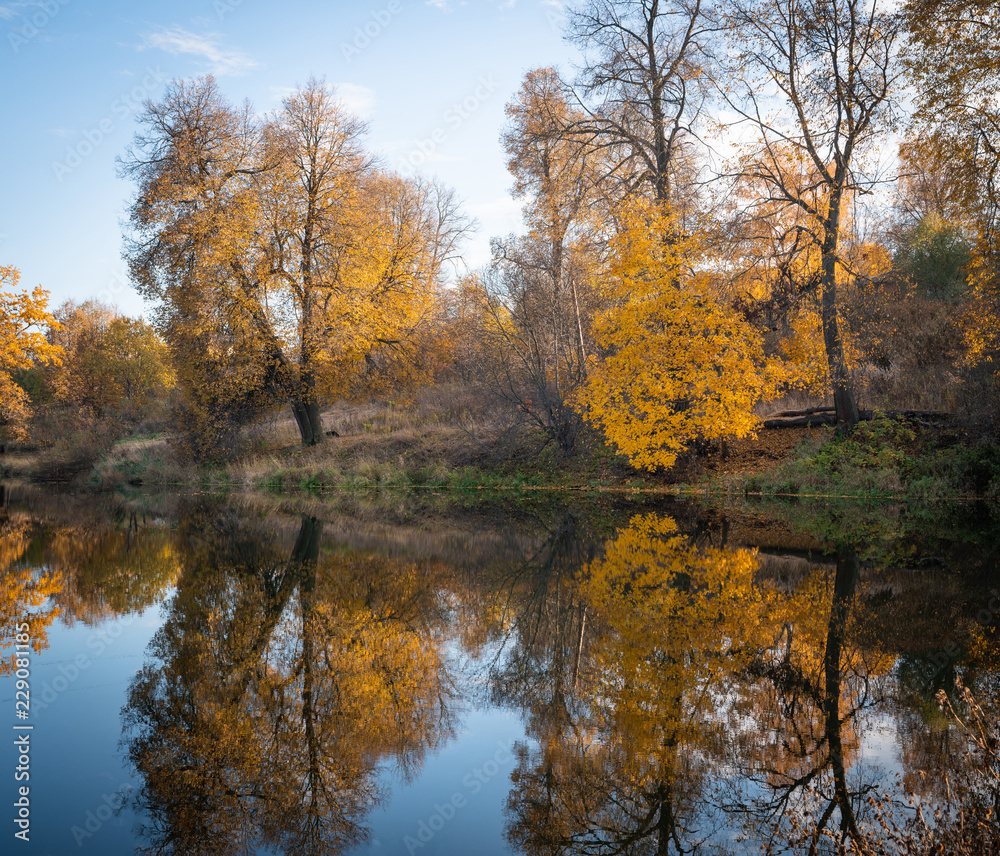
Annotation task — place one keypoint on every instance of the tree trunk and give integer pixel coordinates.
(579, 330)
(844, 587)
(844, 402)
(308, 419)
(315, 423)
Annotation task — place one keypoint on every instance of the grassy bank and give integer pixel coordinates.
(415, 448)
(378, 446)
(880, 460)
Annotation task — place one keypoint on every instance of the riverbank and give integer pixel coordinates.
(398, 448)
(440, 457)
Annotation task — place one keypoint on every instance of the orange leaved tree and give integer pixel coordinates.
(281, 257)
(24, 318)
(677, 365)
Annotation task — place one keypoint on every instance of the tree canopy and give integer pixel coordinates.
(281, 256)
(24, 322)
(677, 365)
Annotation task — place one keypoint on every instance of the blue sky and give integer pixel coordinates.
(431, 77)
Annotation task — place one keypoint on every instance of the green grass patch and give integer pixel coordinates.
(880, 459)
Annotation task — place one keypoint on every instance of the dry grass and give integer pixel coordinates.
(140, 461)
(412, 442)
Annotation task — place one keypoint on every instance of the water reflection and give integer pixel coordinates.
(677, 693)
(627, 772)
(27, 593)
(813, 694)
(75, 561)
(276, 686)
(722, 703)
(677, 696)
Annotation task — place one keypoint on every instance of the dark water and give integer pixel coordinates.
(369, 677)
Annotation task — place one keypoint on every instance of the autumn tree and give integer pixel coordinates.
(954, 61)
(676, 365)
(528, 326)
(280, 255)
(80, 377)
(935, 255)
(24, 321)
(932, 230)
(519, 347)
(925, 187)
(643, 84)
(110, 360)
(769, 266)
(814, 79)
(556, 177)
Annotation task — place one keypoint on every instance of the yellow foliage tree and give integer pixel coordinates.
(23, 319)
(110, 360)
(281, 257)
(677, 364)
(25, 593)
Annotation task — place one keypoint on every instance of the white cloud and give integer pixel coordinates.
(221, 61)
(280, 93)
(358, 99)
(22, 9)
(443, 5)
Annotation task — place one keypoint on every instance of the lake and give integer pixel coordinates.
(390, 673)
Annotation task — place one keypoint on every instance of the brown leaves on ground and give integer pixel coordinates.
(753, 454)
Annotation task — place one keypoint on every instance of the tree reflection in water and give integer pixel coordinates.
(75, 561)
(678, 696)
(276, 687)
(622, 769)
(712, 707)
(812, 696)
(25, 590)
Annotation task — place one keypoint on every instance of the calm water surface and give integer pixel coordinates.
(370, 678)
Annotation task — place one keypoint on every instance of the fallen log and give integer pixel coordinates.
(806, 412)
(810, 420)
(827, 416)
